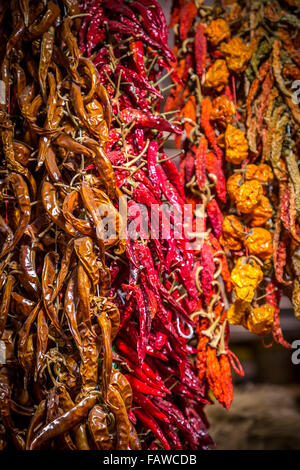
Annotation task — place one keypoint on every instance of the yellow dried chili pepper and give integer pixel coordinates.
(245, 278)
(261, 213)
(248, 196)
(217, 31)
(223, 110)
(232, 233)
(260, 320)
(237, 312)
(237, 54)
(233, 185)
(262, 173)
(217, 75)
(259, 243)
(236, 145)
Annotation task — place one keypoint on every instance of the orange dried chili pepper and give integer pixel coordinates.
(217, 31)
(236, 145)
(217, 76)
(248, 196)
(259, 243)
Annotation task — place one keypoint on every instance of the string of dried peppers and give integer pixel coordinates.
(152, 285)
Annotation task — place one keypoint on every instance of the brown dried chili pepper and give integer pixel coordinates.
(277, 68)
(5, 302)
(52, 208)
(24, 336)
(20, 305)
(8, 150)
(97, 127)
(117, 408)
(39, 27)
(20, 190)
(64, 268)
(78, 432)
(103, 165)
(73, 9)
(98, 428)
(134, 442)
(30, 279)
(64, 422)
(5, 394)
(48, 276)
(42, 340)
(45, 59)
(89, 356)
(295, 176)
(84, 286)
(94, 209)
(21, 153)
(36, 420)
(120, 382)
(85, 252)
(105, 327)
(70, 310)
(71, 202)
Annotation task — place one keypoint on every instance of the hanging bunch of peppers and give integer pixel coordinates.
(272, 123)
(152, 283)
(210, 60)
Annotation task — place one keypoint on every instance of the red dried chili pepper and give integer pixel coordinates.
(151, 424)
(200, 50)
(187, 15)
(215, 217)
(207, 273)
(201, 162)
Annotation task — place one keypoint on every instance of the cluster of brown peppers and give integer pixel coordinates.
(58, 386)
